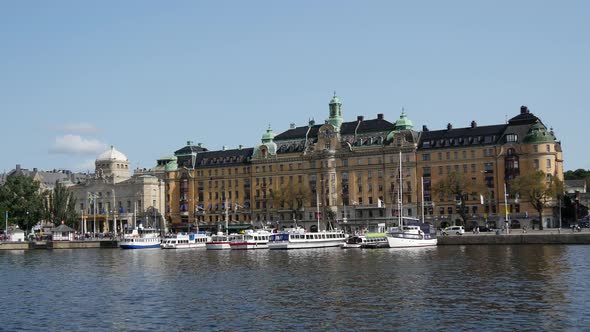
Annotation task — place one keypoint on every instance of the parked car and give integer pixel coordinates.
(584, 224)
(453, 230)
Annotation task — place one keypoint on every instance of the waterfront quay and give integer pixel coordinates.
(515, 236)
(518, 236)
(87, 244)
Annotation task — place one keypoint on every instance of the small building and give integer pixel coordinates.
(63, 233)
(16, 235)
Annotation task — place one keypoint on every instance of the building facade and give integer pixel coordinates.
(356, 173)
(113, 200)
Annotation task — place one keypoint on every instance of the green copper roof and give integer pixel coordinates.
(335, 99)
(335, 118)
(268, 136)
(538, 134)
(403, 123)
(171, 166)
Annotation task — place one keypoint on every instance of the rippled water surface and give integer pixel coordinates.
(501, 288)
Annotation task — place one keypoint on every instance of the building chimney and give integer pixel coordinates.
(18, 167)
(360, 118)
(292, 125)
(200, 145)
(223, 148)
(380, 116)
(240, 147)
(524, 109)
(473, 124)
(424, 128)
(34, 169)
(311, 122)
(189, 143)
(449, 126)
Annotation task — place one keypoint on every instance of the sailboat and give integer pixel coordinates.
(410, 232)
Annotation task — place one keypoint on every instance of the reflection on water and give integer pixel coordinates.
(444, 288)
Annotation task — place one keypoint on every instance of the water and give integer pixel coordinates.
(501, 288)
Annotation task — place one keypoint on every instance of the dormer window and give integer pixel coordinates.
(511, 138)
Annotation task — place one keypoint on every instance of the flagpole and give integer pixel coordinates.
(6, 226)
(506, 222)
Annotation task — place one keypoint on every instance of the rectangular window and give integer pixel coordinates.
(440, 156)
(548, 163)
(448, 155)
(536, 148)
(456, 155)
(464, 154)
(536, 163)
(440, 170)
(548, 147)
(464, 168)
(426, 157)
(473, 168)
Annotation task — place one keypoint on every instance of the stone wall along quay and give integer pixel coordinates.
(516, 238)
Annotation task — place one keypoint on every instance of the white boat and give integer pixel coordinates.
(408, 236)
(220, 241)
(141, 238)
(298, 238)
(250, 240)
(367, 241)
(185, 241)
(374, 237)
(413, 233)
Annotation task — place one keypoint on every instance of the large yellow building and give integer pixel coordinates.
(349, 174)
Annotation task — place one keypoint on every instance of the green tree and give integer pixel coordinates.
(20, 197)
(291, 196)
(538, 189)
(460, 186)
(60, 205)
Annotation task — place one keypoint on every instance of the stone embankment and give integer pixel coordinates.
(58, 245)
(552, 236)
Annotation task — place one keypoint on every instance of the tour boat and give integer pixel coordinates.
(298, 238)
(185, 241)
(250, 240)
(367, 240)
(418, 235)
(219, 241)
(373, 237)
(141, 238)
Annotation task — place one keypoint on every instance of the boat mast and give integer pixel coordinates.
(400, 193)
(318, 208)
(226, 218)
(422, 187)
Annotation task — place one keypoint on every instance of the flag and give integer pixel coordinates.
(481, 198)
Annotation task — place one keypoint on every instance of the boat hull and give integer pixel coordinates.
(248, 246)
(183, 246)
(284, 245)
(139, 246)
(217, 245)
(396, 242)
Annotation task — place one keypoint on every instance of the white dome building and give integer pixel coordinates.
(113, 164)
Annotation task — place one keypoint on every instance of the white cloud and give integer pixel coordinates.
(77, 145)
(78, 128)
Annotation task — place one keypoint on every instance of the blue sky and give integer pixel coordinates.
(146, 76)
